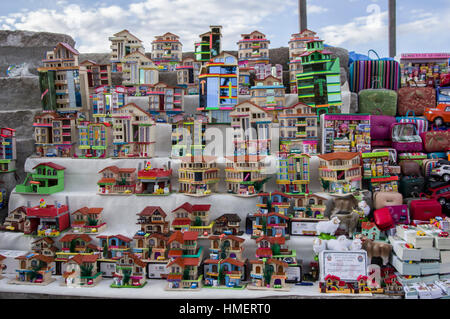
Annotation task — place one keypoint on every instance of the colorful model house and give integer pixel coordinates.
(154, 181)
(209, 45)
(272, 217)
(167, 51)
(228, 246)
(194, 218)
(293, 175)
(88, 220)
(227, 272)
(117, 180)
(122, 44)
(138, 69)
(1, 265)
(97, 74)
(309, 206)
(340, 172)
(8, 151)
(268, 274)
(94, 140)
(252, 126)
(263, 71)
(153, 247)
(334, 284)
(244, 82)
(244, 175)
(112, 247)
(106, 100)
(198, 175)
(269, 94)
(54, 134)
(73, 244)
(376, 168)
(268, 246)
(254, 48)
(165, 101)
(218, 88)
(188, 135)
(319, 84)
(187, 75)
(15, 221)
(152, 219)
(298, 129)
(47, 220)
(44, 246)
(130, 272)
(370, 230)
(134, 132)
(47, 179)
(82, 271)
(63, 82)
(34, 269)
(228, 224)
(345, 133)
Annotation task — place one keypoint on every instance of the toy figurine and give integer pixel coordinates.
(328, 228)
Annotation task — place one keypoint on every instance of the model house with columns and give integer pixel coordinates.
(8, 151)
(122, 44)
(209, 45)
(167, 51)
(188, 135)
(269, 94)
(138, 69)
(253, 48)
(293, 175)
(187, 75)
(165, 101)
(198, 175)
(244, 175)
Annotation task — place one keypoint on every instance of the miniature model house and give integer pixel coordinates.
(130, 272)
(268, 274)
(309, 206)
(223, 247)
(117, 180)
(88, 220)
(340, 172)
(194, 218)
(269, 246)
(370, 230)
(209, 45)
(188, 135)
(165, 101)
(122, 44)
(227, 224)
(138, 69)
(15, 221)
(187, 75)
(153, 247)
(198, 175)
(167, 51)
(244, 175)
(106, 100)
(253, 48)
(114, 246)
(229, 272)
(154, 181)
(94, 139)
(44, 246)
(293, 176)
(153, 220)
(73, 244)
(269, 94)
(47, 220)
(34, 269)
(81, 271)
(8, 151)
(47, 179)
(97, 74)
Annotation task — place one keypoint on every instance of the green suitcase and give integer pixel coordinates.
(373, 100)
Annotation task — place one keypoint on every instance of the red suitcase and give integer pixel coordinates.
(425, 209)
(383, 218)
(400, 214)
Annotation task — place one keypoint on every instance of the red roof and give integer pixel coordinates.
(52, 165)
(79, 259)
(117, 170)
(201, 208)
(263, 252)
(155, 172)
(70, 237)
(186, 206)
(211, 261)
(181, 221)
(121, 237)
(150, 210)
(233, 262)
(190, 235)
(89, 211)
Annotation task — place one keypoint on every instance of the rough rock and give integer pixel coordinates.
(354, 103)
(344, 77)
(342, 54)
(20, 93)
(100, 58)
(168, 77)
(21, 121)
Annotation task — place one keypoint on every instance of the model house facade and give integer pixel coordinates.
(154, 181)
(88, 220)
(94, 139)
(165, 101)
(122, 44)
(113, 246)
(209, 45)
(15, 220)
(188, 135)
(34, 269)
(227, 224)
(244, 175)
(97, 74)
(138, 69)
(309, 206)
(269, 94)
(8, 151)
(130, 272)
(167, 51)
(187, 75)
(81, 271)
(48, 178)
(194, 218)
(198, 175)
(44, 246)
(117, 180)
(152, 219)
(254, 48)
(293, 175)
(106, 100)
(270, 273)
(271, 218)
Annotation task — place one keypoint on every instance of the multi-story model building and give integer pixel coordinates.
(269, 93)
(228, 224)
(106, 100)
(262, 71)
(187, 75)
(244, 81)
(63, 82)
(167, 51)
(154, 181)
(244, 175)
(252, 126)
(134, 132)
(54, 135)
(82, 271)
(122, 44)
(48, 178)
(117, 180)
(8, 151)
(165, 101)
(229, 246)
(188, 135)
(44, 246)
(309, 209)
(72, 245)
(254, 48)
(94, 140)
(138, 69)
(293, 175)
(88, 220)
(298, 129)
(112, 247)
(268, 274)
(34, 269)
(152, 220)
(209, 45)
(340, 172)
(47, 220)
(319, 85)
(198, 175)
(15, 221)
(193, 218)
(218, 88)
(97, 74)
(153, 247)
(130, 272)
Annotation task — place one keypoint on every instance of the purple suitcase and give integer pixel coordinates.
(405, 138)
(400, 214)
(380, 128)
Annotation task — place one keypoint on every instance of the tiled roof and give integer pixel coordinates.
(52, 165)
(70, 237)
(150, 210)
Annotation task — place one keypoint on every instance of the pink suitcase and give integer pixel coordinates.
(399, 213)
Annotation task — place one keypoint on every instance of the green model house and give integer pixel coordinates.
(47, 179)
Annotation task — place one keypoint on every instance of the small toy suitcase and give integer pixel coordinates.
(383, 218)
(425, 209)
(405, 138)
(383, 199)
(371, 100)
(411, 186)
(418, 157)
(399, 213)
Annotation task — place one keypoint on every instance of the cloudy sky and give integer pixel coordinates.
(357, 25)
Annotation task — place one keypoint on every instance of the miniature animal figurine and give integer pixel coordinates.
(339, 244)
(376, 249)
(344, 204)
(356, 244)
(349, 220)
(319, 245)
(329, 226)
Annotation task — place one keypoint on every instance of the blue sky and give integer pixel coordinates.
(357, 25)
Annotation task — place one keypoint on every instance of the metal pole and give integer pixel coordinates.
(392, 28)
(302, 15)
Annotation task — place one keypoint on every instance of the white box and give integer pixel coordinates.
(429, 268)
(445, 256)
(403, 253)
(404, 268)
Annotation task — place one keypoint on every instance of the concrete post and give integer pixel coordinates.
(392, 28)
(302, 15)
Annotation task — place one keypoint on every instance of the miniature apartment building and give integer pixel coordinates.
(272, 218)
(298, 129)
(319, 85)
(268, 274)
(269, 94)
(244, 82)
(297, 46)
(130, 272)
(54, 135)
(187, 75)
(106, 100)
(153, 247)
(34, 269)
(154, 181)
(198, 175)
(184, 244)
(254, 48)
(117, 180)
(8, 151)
(188, 135)
(134, 132)
(138, 69)
(88, 220)
(113, 246)
(244, 175)
(209, 45)
(44, 246)
(97, 74)
(194, 218)
(218, 88)
(48, 178)
(81, 271)
(293, 175)
(309, 206)
(228, 224)
(152, 219)
(223, 247)
(252, 126)
(370, 230)
(94, 140)
(15, 221)
(63, 82)
(263, 71)
(340, 172)
(345, 133)
(122, 44)
(165, 101)
(167, 51)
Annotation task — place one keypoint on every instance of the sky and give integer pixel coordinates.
(357, 25)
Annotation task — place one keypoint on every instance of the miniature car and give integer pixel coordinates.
(194, 285)
(443, 234)
(441, 194)
(438, 115)
(442, 171)
(230, 284)
(9, 227)
(420, 233)
(160, 258)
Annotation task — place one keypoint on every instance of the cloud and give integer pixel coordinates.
(312, 9)
(91, 26)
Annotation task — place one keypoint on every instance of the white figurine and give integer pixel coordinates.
(328, 227)
(362, 205)
(339, 244)
(356, 244)
(319, 245)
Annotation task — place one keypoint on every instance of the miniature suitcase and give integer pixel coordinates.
(383, 218)
(383, 199)
(410, 117)
(380, 129)
(410, 168)
(399, 213)
(411, 186)
(419, 157)
(428, 165)
(415, 99)
(425, 209)
(436, 140)
(405, 138)
(373, 99)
